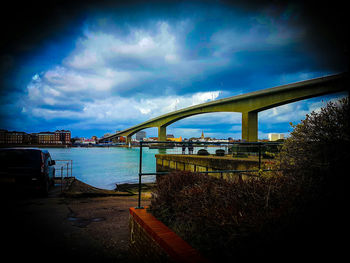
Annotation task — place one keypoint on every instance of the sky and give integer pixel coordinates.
(94, 67)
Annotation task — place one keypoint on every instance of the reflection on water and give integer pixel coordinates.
(104, 167)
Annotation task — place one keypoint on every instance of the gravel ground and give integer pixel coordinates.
(86, 224)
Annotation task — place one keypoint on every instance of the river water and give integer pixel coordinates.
(105, 167)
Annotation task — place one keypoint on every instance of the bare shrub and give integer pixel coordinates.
(219, 217)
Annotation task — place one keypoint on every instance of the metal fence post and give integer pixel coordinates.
(61, 179)
(259, 156)
(140, 174)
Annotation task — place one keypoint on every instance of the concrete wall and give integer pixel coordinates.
(196, 163)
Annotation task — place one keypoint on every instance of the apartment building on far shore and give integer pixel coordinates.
(59, 137)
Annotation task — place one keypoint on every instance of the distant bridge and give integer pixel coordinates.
(248, 104)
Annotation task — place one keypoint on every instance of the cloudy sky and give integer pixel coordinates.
(101, 66)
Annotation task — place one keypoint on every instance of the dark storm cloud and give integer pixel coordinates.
(28, 23)
(325, 24)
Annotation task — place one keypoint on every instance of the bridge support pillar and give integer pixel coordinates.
(250, 126)
(162, 133)
(128, 139)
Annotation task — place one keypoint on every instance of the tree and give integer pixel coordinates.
(314, 160)
(316, 157)
(319, 145)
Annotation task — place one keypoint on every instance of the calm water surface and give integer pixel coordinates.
(104, 167)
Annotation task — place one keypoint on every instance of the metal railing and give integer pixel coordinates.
(65, 168)
(234, 148)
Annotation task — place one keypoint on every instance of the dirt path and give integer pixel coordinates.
(73, 227)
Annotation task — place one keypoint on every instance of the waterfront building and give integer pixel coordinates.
(85, 141)
(17, 138)
(88, 141)
(62, 137)
(218, 140)
(202, 138)
(140, 135)
(275, 136)
(174, 139)
(118, 139)
(3, 136)
(13, 137)
(46, 138)
(34, 138)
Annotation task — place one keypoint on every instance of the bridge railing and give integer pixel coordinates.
(254, 150)
(234, 149)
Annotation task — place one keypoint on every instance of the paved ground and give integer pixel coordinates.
(66, 228)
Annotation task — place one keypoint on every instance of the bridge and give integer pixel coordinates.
(249, 104)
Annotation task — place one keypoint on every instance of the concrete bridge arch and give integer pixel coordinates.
(249, 104)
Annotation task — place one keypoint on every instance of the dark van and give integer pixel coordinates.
(26, 169)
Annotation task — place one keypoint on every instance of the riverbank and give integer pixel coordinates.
(78, 189)
(84, 224)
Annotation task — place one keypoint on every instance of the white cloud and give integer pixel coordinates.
(113, 109)
(154, 107)
(104, 65)
(294, 112)
(84, 60)
(201, 97)
(36, 77)
(51, 91)
(49, 114)
(284, 114)
(68, 80)
(98, 49)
